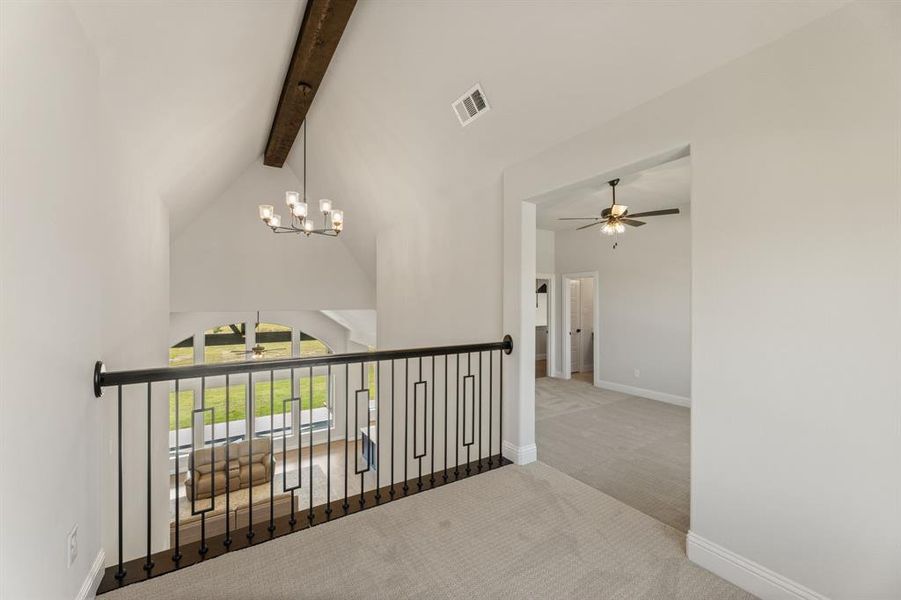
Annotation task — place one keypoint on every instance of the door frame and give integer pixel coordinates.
(566, 370)
(551, 358)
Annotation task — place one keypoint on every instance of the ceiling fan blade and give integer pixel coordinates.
(577, 218)
(632, 222)
(589, 225)
(657, 213)
(605, 213)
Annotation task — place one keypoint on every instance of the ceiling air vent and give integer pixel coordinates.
(471, 105)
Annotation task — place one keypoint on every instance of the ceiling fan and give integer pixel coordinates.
(258, 350)
(615, 218)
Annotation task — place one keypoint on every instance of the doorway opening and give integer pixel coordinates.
(616, 414)
(580, 325)
(544, 326)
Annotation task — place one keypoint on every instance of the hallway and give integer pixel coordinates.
(634, 449)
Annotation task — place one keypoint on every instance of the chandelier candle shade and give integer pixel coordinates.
(301, 221)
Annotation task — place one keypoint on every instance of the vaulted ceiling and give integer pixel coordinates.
(192, 87)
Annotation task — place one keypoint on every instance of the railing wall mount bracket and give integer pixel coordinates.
(99, 369)
(508, 344)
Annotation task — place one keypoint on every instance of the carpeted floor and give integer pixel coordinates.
(516, 532)
(634, 449)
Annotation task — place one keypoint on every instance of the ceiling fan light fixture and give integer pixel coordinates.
(618, 210)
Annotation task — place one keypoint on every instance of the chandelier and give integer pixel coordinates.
(300, 220)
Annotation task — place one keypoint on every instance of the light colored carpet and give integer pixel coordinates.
(516, 532)
(634, 449)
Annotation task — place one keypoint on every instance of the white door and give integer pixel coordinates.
(575, 325)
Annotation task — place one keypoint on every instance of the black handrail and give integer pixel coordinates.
(103, 379)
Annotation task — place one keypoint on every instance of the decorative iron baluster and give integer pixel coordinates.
(328, 452)
(120, 571)
(345, 506)
(176, 556)
(490, 406)
(228, 528)
(311, 515)
(393, 426)
(406, 486)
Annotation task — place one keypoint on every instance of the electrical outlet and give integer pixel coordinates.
(637, 373)
(72, 545)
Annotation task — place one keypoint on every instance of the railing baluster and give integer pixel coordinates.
(432, 447)
(444, 476)
(490, 406)
(500, 406)
(378, 434)
(391, 491)
(148, 564)
(457, 423)
(363, 384)
(120, 571)
(480, 412)
(310, 516)
(295, 427)
(328, 453)
(288, 408)
(203, 547)
(406, 422)
(468, 374)
(345, 506)
(271, 527)
(249, 402)
(228, 529)
(416, 426)
(176, 556)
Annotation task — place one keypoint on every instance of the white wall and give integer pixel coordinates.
(447, 265)
(645, 290)
(84, 277)
(544, 251)
(795, 323)
(227, 260)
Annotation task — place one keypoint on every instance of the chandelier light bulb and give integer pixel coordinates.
(325, 205)
(299, 209)
(266, 212)
(308, 226)
(620, 228)
(337, 218)
(291, 198)
(275, 221)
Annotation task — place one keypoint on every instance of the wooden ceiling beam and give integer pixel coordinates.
(320, 31)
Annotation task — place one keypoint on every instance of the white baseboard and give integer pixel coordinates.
(746, 574)
(650, 394)
(521, 455)
(92, 581)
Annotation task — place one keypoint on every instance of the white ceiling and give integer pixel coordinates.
(191, 88)
(664, 186)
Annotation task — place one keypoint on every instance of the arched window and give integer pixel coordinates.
(270, 401)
